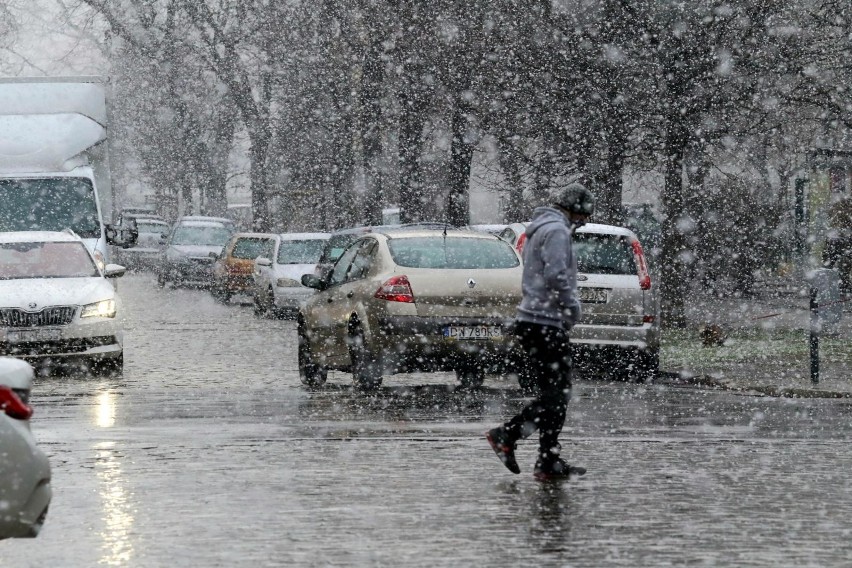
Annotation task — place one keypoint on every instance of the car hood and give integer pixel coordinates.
(197, 251)
(293, 271)
(44, 292)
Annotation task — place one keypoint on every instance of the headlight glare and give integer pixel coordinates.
(102, 309)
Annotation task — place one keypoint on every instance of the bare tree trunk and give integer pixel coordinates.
(411, 122)
(516, 208)
(258, 176)
(371, 130)
(458, 199)
(673, 268)
(216, 199)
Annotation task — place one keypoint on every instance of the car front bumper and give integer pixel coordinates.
(96, 338)
(291, 297)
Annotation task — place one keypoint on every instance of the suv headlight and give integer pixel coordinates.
(102, 309)
(287, 283)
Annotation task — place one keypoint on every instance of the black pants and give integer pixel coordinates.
(549, 365)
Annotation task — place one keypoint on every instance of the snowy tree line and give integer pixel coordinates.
(348, 106)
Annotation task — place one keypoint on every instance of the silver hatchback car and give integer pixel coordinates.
(620, 327)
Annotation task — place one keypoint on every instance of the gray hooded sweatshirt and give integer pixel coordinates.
(550, 272)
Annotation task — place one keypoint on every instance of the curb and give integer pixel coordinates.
(674, 378)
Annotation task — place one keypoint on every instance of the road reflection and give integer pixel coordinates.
(105, 410)
(115, 498)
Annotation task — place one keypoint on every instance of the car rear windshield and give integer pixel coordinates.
(251, 247)
(603, 254)
(300, 252)
(452, 253)
(200, 235)
(45, 260)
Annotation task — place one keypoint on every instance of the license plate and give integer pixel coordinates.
(29, 335)
(473, 332)
(593, 295)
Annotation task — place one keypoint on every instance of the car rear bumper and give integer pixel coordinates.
(411, 343)
(644, 336)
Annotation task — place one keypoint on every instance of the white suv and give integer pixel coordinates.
(620, 326)
(56, 305)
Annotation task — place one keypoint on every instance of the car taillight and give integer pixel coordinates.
(12, 405)
(641, 266)
(396, 289)
(519, 246)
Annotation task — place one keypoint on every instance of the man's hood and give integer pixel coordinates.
(544, 216)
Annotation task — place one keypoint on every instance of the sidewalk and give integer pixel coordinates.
(766, 347)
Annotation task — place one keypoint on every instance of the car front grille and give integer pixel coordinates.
(65, 346)
(57, 315)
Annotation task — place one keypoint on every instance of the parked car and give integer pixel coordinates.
(57, 306)
(186, 258)
(151, 231)
(493, 228)
(339, 240)
(408, 300)
(233, 269)
(25, 490)
(620, 327)
(278, 288)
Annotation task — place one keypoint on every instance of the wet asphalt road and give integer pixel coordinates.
(208, 452)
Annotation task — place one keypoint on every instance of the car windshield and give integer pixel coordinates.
(452, 253)
(300, 252)
(149, 227)
(45, 260)
(603, 254)
(49, 204)
(250, 248)
(201, 235)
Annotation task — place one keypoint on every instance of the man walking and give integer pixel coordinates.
(548, 310)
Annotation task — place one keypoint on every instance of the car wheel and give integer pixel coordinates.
(271, 311)
(310, 373)
(470, 377)
(220, 293)
(366, 369)
(161, 280)
(256, 305)
(108, 367)
(645, 365)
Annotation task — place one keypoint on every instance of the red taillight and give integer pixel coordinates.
(13, 405)
(396, 289)
(641, 266)
(648, 318)
(519, 246)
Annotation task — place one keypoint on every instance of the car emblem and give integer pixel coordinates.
(582, 277)
(471, 283)
(32, 305)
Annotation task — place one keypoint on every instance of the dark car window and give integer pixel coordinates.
(151, 227)
(452, 253)
(335, 246)
(249, 248)
(604, 254)
(300, 252)
(362, 261)
(45, 260)
(338, 274)
(49, 204)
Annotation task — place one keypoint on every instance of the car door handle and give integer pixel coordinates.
(329, 300)
(350, 294)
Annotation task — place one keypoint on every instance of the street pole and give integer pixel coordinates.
(814, 339)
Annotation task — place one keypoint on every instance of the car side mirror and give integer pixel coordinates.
(123, 236)
(262, 261)
(313, 281)
(114, 271)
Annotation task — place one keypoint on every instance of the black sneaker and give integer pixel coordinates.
(503, 447)
(556, 469)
